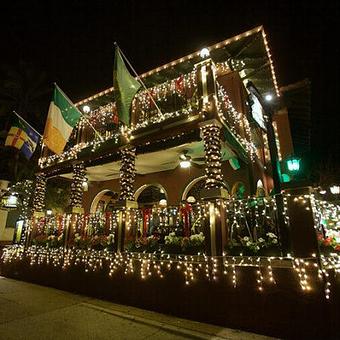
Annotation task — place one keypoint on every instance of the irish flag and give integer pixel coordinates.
(62, 117)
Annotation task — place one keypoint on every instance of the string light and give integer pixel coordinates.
(212, 147)
(39, 193)
(184, 88)
(127, 174)
(79, 176)
(193, 267)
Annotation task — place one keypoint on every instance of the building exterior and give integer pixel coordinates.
(196, 111)
(193, 186)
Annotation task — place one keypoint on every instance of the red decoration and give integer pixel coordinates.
(185, 216)
(146, 218)
(108, 216)
(179, 85)
(60, 224)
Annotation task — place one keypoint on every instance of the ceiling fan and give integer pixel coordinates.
(185, 161)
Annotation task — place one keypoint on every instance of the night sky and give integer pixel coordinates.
(73, 43)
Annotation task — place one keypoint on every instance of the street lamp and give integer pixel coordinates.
(293, 164)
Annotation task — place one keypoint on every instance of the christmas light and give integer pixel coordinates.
(39, 193)
(79, 176)
(127, 174)
(212, 147)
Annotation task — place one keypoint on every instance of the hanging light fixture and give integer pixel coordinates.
(335, 189)
(184, 164)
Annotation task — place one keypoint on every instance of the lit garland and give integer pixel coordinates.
(277, 141)
(79, 177)
(39, 193)
(101, 117)
(73, 151)
(232, 119)
(127, 173)
(184, 88)
(212, 148)
(194, 268)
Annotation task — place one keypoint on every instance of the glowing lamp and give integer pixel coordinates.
(204, 53)
(85, 185)
(293, 164)
(163, 202)
(268, 97)
(191, 199)
(184, 164)
(86, 109)
(48, 212)
(335, 189)
(285, 178)
(11, 201)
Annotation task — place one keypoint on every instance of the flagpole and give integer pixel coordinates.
(138, 77)
(27, 123)
(88, 122)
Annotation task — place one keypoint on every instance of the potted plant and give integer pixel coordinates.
(173, 244)
(234, 248)
(250, 247)
(110, 242)
(194, 244)
(98, 242)
(54, 241)
(40, 240)
(269, 246)
(328, 244)
(148, 244)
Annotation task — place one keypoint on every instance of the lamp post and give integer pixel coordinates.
(274, 159)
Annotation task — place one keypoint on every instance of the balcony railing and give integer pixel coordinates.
(252, 225)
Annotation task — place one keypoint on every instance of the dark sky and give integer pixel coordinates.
(73, 42)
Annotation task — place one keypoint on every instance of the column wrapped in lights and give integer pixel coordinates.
(127, 173)
(25, 212)
(79, 177)
(39, 193)
(210, 132)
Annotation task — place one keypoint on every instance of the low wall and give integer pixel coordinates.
(280, 309)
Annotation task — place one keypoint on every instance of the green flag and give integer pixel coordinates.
(125, 88)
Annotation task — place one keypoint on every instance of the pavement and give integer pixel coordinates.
(29, 311)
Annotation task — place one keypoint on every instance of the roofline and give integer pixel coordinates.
(197, 53)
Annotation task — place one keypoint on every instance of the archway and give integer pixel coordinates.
(149, 195)
(193, 190)
(104, 201)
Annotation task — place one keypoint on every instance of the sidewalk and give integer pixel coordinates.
(29, 311)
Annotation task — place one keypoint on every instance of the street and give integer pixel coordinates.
(29, 311)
